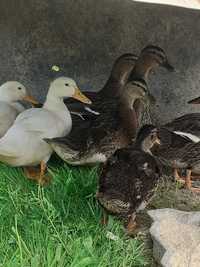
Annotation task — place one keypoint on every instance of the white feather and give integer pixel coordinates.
(192, 137)
(91, 111)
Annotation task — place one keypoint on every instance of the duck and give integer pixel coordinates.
(180, 144)
(107, 133)
(10, 93)
(177, 135)
(129, 178)
(23, 143)
(180, 152)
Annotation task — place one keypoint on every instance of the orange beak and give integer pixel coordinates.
(81, 97)
(30, 99)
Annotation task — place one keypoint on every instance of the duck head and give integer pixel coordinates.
(119, 75)
(64, 87)
(147, 137)
(149, 59)
(195, 100)
(13, 91)
(157, 56)
(123, 67)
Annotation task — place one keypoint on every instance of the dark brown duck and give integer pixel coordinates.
(180, 146)
(129, 177)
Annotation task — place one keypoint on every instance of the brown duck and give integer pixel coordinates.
(180, 146)
(129, 178)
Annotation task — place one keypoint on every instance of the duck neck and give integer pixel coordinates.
(115, 83)
(111, 88)
(128, 99)
(144, 145)
(6, 98)
(128, 116)
(57, 106)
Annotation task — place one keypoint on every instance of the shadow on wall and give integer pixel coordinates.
(84, 38)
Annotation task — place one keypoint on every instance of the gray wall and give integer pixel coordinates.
(85, 36)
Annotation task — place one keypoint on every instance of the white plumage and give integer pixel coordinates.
(23, 144)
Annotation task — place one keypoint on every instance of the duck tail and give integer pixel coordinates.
(62, 147)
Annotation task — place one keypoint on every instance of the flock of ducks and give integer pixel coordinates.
(112, 127)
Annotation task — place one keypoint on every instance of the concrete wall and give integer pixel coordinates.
(85, 36)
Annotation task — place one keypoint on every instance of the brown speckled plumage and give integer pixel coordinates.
(178, 151)
(129, 177)
(188, 123)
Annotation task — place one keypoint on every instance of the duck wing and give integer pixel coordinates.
(94, 130)
(189, 123)
(39, 120)
(172, 149)
(191, 155)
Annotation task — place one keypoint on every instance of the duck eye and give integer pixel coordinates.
(19, 88)
(66, 84)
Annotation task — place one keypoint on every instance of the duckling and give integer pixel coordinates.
(10, 93)
(129, 178)
(112, 130)
(23, 143)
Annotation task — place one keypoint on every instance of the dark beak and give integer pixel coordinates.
(168, 66)
(152, 99)
(195, 101)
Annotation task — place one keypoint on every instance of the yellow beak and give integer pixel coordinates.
(30, 99)
(81, 97)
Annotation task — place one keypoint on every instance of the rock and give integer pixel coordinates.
(176, 237)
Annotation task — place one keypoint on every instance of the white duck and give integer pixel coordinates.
(23, 144)
(10, 93)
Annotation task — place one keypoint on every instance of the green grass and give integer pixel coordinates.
(58, 225)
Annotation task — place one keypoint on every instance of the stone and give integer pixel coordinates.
(176, 237)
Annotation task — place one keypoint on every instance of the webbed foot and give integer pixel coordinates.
(38, 174)
(131, 226)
